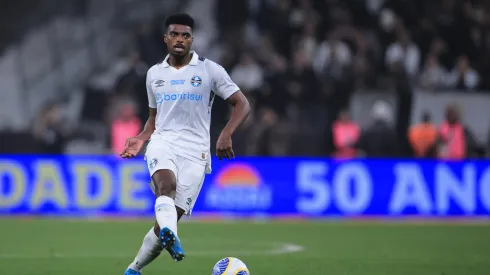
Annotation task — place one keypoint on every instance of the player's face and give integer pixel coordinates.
(178, 39)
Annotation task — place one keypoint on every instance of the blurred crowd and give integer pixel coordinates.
(450, 140)
(299, 62)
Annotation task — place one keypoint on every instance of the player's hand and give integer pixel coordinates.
(224, 147)
(132, 147)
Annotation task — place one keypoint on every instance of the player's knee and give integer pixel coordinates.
(165, 189)
(165, 183)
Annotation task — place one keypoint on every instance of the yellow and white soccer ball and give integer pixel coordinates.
(230, 266)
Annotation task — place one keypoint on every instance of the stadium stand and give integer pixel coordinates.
(300, 63)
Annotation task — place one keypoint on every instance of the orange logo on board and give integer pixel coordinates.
(239, 187)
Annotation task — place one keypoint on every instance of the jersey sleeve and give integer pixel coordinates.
(221, 82)
(152, 103)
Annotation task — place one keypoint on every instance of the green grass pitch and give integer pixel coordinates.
(63, 247)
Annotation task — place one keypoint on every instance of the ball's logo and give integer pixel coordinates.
(221, 266)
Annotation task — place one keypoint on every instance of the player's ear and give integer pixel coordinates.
(165, 38)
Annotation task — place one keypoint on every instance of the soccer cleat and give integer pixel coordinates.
(129, 271)
(171, 243)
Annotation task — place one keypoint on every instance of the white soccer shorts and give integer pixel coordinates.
(189, 174)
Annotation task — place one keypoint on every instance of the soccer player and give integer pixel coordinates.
(181, 91)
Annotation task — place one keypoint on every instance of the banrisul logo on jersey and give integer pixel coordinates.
(161, 97)
(239, 187)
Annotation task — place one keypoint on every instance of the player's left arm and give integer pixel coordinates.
(241, 110)
(228, 90)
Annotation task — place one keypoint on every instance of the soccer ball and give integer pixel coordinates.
(230, 266)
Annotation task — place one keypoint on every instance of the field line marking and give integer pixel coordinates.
(286, 248)
(279, 249)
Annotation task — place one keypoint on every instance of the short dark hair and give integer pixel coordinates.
(180, 19)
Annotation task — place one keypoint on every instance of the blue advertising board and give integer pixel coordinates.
(107, 185)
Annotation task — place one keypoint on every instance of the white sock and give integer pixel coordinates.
(166, 213)
(149, 251)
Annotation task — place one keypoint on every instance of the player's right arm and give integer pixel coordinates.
(134, 144)
(149, 126)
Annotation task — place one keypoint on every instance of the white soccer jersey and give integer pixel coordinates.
(183, 99)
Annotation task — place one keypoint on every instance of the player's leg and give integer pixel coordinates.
(162, 164)
(159, 162)
(149, 251)
(177, 191)
(150, 248)
(189, 183)
(180, 213)
(152, 245)
(190, 176)
(166, 214)
(165, 183)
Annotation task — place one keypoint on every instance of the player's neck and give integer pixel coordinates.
(179, 61)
